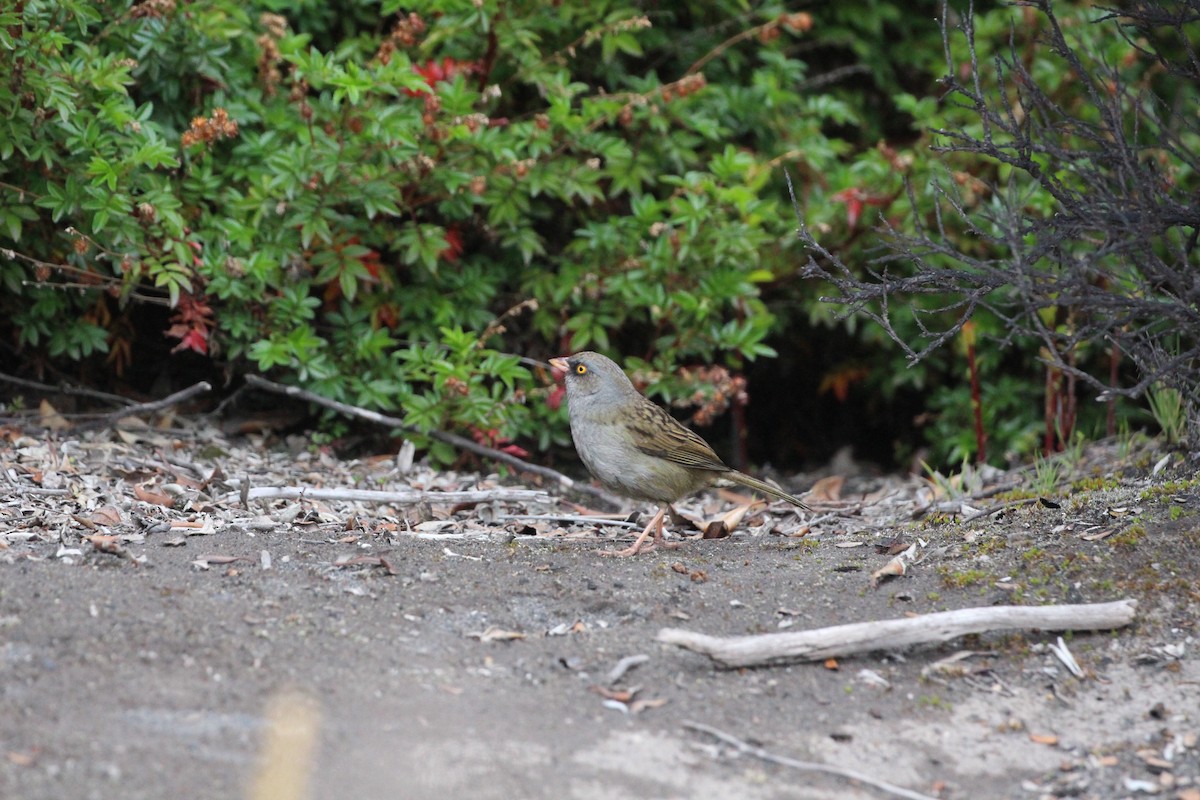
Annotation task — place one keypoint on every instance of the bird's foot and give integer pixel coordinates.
(637, 547)
(640, 547)
(664, 544)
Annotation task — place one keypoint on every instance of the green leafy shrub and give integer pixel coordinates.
(1061, 219)
(378, 204)
(388, 206)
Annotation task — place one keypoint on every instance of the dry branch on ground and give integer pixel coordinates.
(863, 637)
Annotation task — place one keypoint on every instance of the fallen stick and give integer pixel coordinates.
(373, 496)
(65, 388)
(145, 408)
(892, 634)
(460, 442)
(605, 520)
(129, 409)
(806, 766)
(987, 512)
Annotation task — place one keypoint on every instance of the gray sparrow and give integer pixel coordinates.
(636, 449)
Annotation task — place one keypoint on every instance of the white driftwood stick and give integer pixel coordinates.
(892, 634)
(372, 496)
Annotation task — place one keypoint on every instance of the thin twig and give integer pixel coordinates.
(372, 496)
(624, 665)
(987, 512)
(182, 463)
(32, 490)
(233, 397)
(741, 36)
(460, 442)
(165, 464)
(148, 408)
(807, 766)
(63, 388)
(558, 541)
(506, 537)
(598, 519)
(1105, 181)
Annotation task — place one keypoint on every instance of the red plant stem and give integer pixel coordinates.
(976, 405)
(1067, 425)
(1051, 398)
(1114, 361)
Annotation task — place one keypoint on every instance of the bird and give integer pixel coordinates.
(636, 449)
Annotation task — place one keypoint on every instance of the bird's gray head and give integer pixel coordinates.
(591, 377)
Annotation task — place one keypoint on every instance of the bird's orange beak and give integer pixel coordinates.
(560, 363)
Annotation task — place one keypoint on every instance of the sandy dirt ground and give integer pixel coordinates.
(160, 637)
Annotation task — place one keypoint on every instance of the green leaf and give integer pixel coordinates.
(103, 172)
(12, 224)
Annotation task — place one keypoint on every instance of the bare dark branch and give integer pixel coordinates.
(1111, 152)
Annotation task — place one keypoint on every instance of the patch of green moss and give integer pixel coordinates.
(1015, 494)
(1033, 554)
(1095, 484)
(992, 544)
(1169, 488)
(934, 701)
(961, 579)
(1128, 539)
(801, 546)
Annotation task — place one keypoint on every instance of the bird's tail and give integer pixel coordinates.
(762, 486)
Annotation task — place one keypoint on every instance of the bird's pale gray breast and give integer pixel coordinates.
(606, 451)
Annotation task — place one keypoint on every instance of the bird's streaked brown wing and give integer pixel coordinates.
(659, 434)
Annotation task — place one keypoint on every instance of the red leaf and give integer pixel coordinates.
(454, 244)
(194, 339)
(191, 324)
(853, 211)
(855, 199)
(555, 398)
(434, 72)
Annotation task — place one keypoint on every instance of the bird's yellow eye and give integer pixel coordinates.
(580, 369)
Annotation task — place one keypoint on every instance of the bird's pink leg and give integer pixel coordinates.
(659, 541)
(655, 527)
